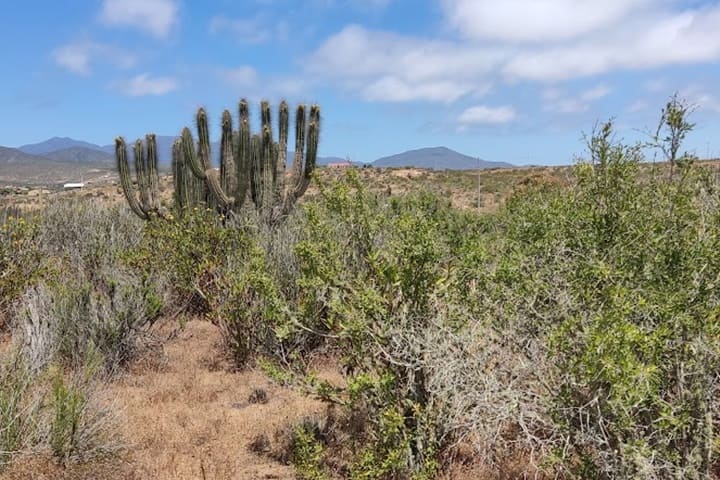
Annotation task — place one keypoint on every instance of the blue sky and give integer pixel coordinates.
(511, 80)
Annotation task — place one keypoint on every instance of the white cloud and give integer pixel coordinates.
(79, 57)
(393, 89)
(359, 52)
(254, 85)
(536, 21)
(552, 41)
(157, 17)
(700, 97)
(484, 115)
(388, 67)
(556, 100)
(637, 44)
(243, 76)
(595, 93)
(145, 84)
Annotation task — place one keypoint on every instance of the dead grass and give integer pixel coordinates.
(189, 417)
(193, 418)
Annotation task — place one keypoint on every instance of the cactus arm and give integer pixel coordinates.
(193, 173)
(152, 170)
(289, 197)
(313, 137)
(125, 180)
(256, 169)
(212, 178)
(143, 175)
(269, 161)
(228, 169)
(283, 122)
(182, 178)
(203, 139)
(244, 158)
(191, 159)
(177, 170)
(300, 122)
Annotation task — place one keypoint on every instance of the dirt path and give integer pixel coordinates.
(189, 417)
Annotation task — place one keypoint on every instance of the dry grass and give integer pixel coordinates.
(189, 417)
(192, 417)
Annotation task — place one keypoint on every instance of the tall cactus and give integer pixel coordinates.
(146, 169)
(256, 162)
(253, 167)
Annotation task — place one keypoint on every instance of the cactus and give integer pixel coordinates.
(252, 167)
(146, 170)
(189, 190)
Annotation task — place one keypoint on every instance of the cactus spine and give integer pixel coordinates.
(253, 167)
(146, 170)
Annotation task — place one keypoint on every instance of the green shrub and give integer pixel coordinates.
(108, 314)
(307, 454)
(20, 260)
(621, 272)
(372, 280)
(48, 411)
(248, 307)
(81, 426)
(18, 408)
(578, 327)
(68, 403)
(187, 252)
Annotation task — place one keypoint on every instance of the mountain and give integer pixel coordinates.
(56, 143)
(17, 167)
(437, 158)
(13, 156)
(80, 155)
(71, 150)
(164, 149)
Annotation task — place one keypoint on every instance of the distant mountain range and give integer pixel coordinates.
(56, 143)
(69, 149)
(437, 158)
(65, 165)
(48, 159)
(80, 155)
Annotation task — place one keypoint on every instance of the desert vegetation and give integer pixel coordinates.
(573, 331)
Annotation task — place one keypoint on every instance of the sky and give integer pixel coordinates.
(513, 80)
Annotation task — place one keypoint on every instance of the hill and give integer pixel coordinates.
(437, 158)
(14, 156)
(56, 143)
(17, 167)
(80, 155)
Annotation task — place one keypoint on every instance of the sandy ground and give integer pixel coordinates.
(189, 417)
